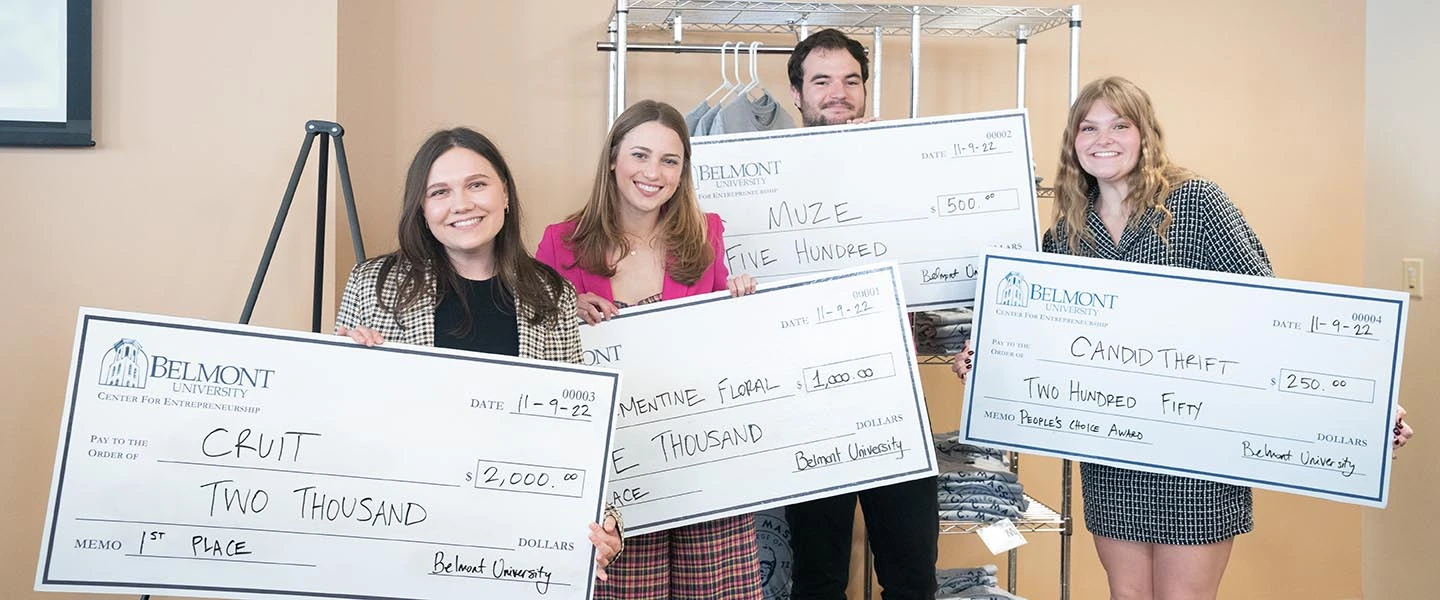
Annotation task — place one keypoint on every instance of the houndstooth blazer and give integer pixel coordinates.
(557, 339)
(1207, 232)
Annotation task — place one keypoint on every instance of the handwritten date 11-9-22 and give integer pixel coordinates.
(1359, 325)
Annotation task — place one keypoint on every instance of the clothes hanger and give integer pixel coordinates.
(726, 86)
(754, 70)
(728, 95)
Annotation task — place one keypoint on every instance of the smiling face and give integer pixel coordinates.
(1107, 145)
(648, 164)
(832, 88)
(464, 204)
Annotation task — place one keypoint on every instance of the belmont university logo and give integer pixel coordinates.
(125, 365)
(1013, 291)
(1016, 292)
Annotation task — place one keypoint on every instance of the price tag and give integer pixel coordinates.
(1001, 536)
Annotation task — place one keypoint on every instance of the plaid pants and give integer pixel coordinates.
(716, 559)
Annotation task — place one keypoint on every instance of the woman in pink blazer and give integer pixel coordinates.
(598, 293)
(642, 238)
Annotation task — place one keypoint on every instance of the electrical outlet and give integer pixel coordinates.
(1412, 276)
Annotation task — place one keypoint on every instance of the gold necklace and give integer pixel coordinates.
(636, 249)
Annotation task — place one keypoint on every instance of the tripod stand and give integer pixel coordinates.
(325, 130)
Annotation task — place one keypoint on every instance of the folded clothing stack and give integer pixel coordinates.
(950, 581)
(942, 331)
(976, 583)
(975, 483)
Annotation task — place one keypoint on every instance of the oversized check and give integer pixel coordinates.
(209, 459)
(805, 389)
(926, 193)
(1285, 385)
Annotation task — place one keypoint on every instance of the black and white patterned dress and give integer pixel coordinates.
(1207, 233)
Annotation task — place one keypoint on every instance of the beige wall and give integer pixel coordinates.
(1242, 88)
(523, 73)
(199, 112)
(1402, 216)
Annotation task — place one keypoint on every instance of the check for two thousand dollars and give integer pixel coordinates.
(1285, 385)
(209, 459)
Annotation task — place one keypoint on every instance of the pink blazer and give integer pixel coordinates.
(553, 252)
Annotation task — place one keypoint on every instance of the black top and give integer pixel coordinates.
(493, 328)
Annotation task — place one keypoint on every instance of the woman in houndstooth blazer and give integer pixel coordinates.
(1119, 197)
(462, 278)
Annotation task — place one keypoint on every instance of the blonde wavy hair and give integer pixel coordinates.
(1150, 183)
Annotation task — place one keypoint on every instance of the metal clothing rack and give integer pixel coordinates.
(875, 20)
(648, 17)
(1039, 518)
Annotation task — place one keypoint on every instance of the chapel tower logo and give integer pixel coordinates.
(124, 365)
(1013, 291)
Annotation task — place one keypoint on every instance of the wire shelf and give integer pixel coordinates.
(891, 19)
(935, 359)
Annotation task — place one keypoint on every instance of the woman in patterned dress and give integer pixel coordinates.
(642, 238)
(1119, 197)
(462, 279)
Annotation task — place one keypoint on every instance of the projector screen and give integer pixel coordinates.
(45, 73)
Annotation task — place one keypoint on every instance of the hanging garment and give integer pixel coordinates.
(743, 115)
(706, 120)
(692, 118)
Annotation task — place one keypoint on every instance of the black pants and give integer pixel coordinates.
(903, 521)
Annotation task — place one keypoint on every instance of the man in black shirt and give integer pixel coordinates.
(828, 71)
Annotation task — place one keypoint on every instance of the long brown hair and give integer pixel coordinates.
(597, 234)
(422, 260)
(1150, 183)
